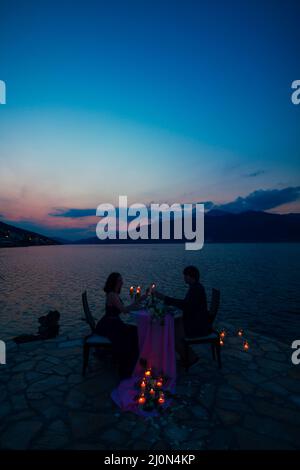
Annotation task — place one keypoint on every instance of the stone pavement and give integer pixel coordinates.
(252, 403)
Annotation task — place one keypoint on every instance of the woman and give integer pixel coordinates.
(124, 337)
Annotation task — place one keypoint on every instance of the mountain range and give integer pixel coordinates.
(220, 227)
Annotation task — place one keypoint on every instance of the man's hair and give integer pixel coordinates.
(193, 272)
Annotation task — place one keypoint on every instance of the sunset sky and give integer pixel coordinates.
(161, 101)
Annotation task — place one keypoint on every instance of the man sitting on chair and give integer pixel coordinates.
(195, 320)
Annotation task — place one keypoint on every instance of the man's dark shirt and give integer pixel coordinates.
(195, 314)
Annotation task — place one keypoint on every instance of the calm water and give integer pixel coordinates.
(259, 283)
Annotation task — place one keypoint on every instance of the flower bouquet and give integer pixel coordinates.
(157, 310)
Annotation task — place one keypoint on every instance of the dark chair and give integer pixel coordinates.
(213, 338)
(93, 340)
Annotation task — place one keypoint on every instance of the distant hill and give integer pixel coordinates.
(14, 236)
(252, 227)
(246, 227)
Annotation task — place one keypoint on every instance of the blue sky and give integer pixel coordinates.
(163, 101)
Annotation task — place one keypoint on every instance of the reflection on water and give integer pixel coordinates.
(259, 283)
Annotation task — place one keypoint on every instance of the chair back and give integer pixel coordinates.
(214, 305)
(88, 316)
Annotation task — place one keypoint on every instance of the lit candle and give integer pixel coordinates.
(131, 291)
(246, 346)
(142, 400)
(223, 334)
(152, 392)
(240, 332)
(161, 398)
(143, 384)
(159, 382)
(148, 373)
(221, 342)
(138, 292)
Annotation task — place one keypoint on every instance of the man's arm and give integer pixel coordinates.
(179, 303)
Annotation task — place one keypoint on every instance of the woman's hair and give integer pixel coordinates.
(111, 282)
(193, 272)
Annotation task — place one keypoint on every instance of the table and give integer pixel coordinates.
(157, 346)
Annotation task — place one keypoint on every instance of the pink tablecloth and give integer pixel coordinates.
(157, 346)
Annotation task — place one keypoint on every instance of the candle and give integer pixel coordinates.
(246, 346)
(240, 332)
(142, 400)
(223, 334)
(143, 383)
(221, 342)
(161, 398)
(159, 383)
(138, 292)
(148, 373)
(152, 392)
(131, 291)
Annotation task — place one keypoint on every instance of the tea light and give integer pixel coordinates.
(246, 346)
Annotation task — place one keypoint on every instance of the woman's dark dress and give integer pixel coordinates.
(124, 339)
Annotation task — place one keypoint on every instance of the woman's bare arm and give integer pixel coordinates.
(114, 300)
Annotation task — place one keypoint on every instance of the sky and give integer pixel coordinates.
(162, 101)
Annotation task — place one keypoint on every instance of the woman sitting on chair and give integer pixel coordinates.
(124, 337)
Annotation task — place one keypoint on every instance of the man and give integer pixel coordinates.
(195, 320)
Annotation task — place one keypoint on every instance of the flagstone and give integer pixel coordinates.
(19, 402)
(251, 440)
(228, 417)
(55, 436)
(272, 428)
(46, 384)
(283, 414)
(19, 434)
